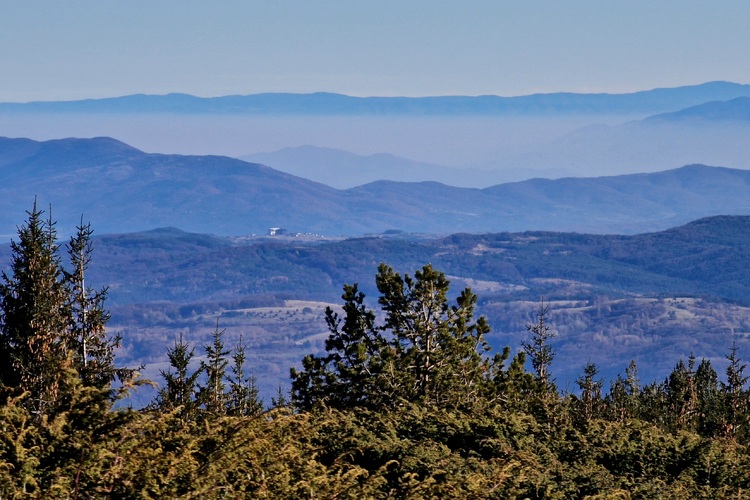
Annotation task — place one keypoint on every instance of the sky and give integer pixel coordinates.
(79, 49)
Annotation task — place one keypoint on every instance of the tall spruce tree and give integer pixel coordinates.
(179, 392)
(544, 404)
(243, 398)
(538, 350)
(736, 407)
(212, 395)
(93, 349)
(35, 344)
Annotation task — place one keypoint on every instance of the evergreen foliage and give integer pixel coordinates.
(539, 350)
(35, 317)
(213, 396)
(243, 398)
(736, 398)
(93, 349)
(209, 391)
(179, 391)
(425, 351)
(589, 405)
(51, 322)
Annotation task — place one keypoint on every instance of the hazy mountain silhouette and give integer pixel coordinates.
(322, 103)
(737, 109)
(713, 133)
(121, 189)
(343, 170)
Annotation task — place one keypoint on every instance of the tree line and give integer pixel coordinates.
(406, 401)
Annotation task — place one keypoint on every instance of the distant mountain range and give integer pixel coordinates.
(716, 133)
(737, 109)
(644, 102)
(343, 170)
(461, 141)
(121, 189)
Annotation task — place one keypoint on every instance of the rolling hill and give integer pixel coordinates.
(121, 189)
(343, 170)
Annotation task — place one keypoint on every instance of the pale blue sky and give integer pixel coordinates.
(53, 50)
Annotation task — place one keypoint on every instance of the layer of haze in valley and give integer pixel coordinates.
(449, 141)
(490, 150)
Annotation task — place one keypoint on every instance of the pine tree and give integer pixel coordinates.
(180, 386)
(633, 389)
(682, 395)
(736, 407)
(212, 395)
(538, 349)
(589, 405)
(616, 400)
(354, 370)
(624, 395)
(415, 310)
(315, 383)
(437, 349)
(93, 349)
(426, 351)
(34, 339)
(654, 404)
(709, 404)
(511, 386)
(244, 396)
(464, 382)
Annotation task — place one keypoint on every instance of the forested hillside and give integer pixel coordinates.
(407, 399)
(651, 297)
(126, 190)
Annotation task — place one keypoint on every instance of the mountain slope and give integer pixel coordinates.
(706, 258)
(343, 170)
(122, 189)
(737, 109)
(712, 134)
(652, 297)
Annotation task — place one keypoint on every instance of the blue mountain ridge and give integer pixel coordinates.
(122, 189)
(323, 103)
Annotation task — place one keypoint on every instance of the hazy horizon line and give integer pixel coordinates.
(382, 96)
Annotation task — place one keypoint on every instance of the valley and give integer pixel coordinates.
(652, 297)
